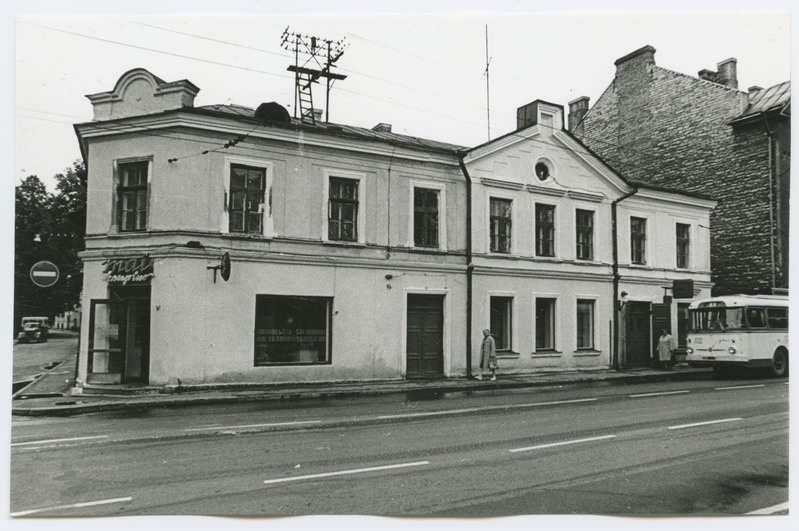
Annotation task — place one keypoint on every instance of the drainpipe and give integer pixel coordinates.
(469, 265)
(770, 135)
(616, 277)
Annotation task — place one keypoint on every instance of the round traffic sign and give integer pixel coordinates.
(44, 274)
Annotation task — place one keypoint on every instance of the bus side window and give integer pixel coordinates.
(777, 318)
(755, 318)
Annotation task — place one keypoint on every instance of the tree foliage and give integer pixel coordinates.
(49, 227)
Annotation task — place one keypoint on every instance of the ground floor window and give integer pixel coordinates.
(585, 324)
(292, 330)
(501, 308)
(545, 324)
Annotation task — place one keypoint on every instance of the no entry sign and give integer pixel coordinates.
(44, 274)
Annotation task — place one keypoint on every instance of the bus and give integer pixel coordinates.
(739, 331)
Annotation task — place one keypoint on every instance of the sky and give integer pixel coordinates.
(418, 65)
(422, 73)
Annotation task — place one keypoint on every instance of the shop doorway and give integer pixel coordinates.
(119, 337)
(425, 337)
(638, 334)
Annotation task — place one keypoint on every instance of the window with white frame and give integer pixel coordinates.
(544, 230)
(246, 208)
(500, 224)
(683, 245)
(501, 321)
(584, 223)
(544, 324)
(342, 211)
(585, 324)
(638, 240)
(132, 196)
(425, 217)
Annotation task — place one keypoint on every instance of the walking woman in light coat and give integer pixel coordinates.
(488, 355)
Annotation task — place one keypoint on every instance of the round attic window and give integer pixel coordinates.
(542, 171)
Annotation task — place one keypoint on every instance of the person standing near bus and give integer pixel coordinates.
(665, 348)
(488, 355)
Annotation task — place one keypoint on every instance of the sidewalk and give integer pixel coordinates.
(50, 394)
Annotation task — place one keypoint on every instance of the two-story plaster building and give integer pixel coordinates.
(226, 244)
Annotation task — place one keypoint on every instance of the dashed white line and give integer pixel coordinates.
(771, 510)
(50, 441)
(346, 472)
(707, 423)
(660, 393)
(739, 387)
(563, 443)
(72, 506)
(247, 426)
(429, 413)
(485, 408)
(554, 403)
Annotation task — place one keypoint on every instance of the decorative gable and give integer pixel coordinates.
(139, 92)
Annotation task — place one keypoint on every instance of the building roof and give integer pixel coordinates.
(766, 100)
(335, 129)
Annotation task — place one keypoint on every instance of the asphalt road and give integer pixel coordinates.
(691, 448)
(32, 359)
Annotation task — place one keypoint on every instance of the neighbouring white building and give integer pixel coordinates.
(226, 244)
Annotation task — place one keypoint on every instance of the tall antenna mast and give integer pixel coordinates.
(318, 56)
(488, 97)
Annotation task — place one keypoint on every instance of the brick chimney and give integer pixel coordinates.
(641, 57)
(577, 109)
(728, 73)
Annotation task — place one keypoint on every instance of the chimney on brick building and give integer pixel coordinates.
(644, 56)
(577, 109)
(728, 73)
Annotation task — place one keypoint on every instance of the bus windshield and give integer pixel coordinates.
(717, 319)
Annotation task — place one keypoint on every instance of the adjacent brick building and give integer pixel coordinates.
(704, 135)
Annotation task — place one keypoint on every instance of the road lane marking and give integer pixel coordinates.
(703, 423)
(771, 510)
(72, 506)
(48, 441)
(563, 443)
(244, 426)
(486, 408)
(345, 472)
(660, 393)
(429, 413)
(739, 387)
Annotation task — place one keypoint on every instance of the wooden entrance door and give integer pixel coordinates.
(425, 337)
(638, 334)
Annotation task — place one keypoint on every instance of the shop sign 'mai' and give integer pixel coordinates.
(137, 270)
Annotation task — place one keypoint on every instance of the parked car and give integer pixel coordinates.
(34, 330)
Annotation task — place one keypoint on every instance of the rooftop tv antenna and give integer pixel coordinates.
(314, 58)
(488, 98)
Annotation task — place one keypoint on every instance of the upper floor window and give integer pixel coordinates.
(544, 230)
(585, 234)
(500, 219)
(638, 240)
(683, 244)
(247, 185)
(342, 210)
(132, 196)
(425, 217)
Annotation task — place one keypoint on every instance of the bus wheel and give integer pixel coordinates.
(779, 363)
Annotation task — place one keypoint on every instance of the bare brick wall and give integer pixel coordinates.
(671, 129)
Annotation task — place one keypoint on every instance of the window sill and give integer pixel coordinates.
(587, 353)
(337, 243)
(507, 354)
(547, 354)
